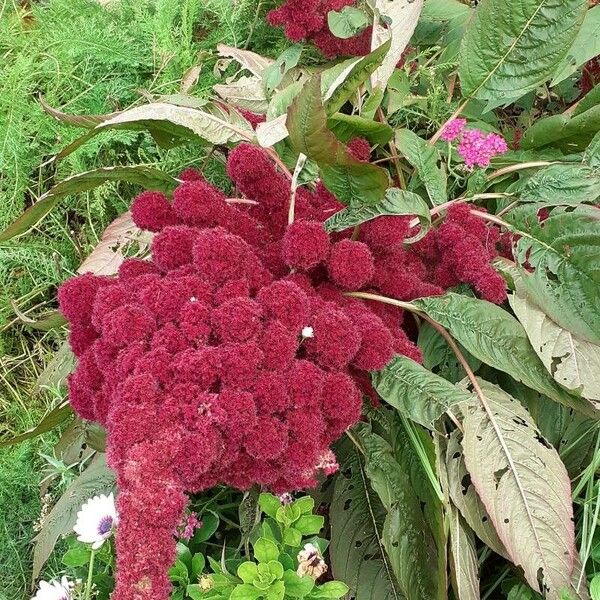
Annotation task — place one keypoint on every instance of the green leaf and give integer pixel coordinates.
(305, 505)
(495, 337)
(76, 557)
(184, 555)
(52, 419)
(178, 573)
(297, 586)
(147, 177)
(560, 265)
(524, 486)
(245, 591)
(265, 550)
(288, 59)
(347, 23)
(396, 202)
(210, 524)
(507, 53)
(574, 363)
(347, 127)
(463, 557)
(424, 158)
(269, 504)
(585, 46)
(331, 589)
(198, 564)
(97, 478)
(416, 392)
(351, 181)
(276, 591)
(340, 83)
(276, 569)
(591, 156)
(595, 588)
(356, 551)
(247, 571)
(591, 99)
(568, 184)
(309, 524)
(292, 537)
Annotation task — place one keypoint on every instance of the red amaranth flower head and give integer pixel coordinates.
(285, 302)
(237, 320)
(198, 203)
(172, 247)
(336, 339)
(385, 233)
(152, 211)
(350, 264)
(305, 245)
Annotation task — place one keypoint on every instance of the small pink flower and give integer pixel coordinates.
(453, 129)
(478, 148)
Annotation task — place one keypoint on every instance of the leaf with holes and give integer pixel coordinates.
(356, 516)
(253, 62)
(507, 52)
(247, 93)
(351, 181)
(425, 159)
(416, 392)
(397, 202)
(348, 22)
(524, 487)
(147, 177)
(495, 337)
(560, 265)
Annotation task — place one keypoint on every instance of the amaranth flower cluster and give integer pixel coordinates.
(233, 356)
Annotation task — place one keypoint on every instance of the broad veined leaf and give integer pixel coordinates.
(273, 75)
(401, 17)
(585, 46)
(591, 156)
(396, 202)
(272, 131)
(408, 541)
(351, 181)
(253, 62)
(356, 550)
(559, 184)
(465, 497)
(348, 22)
(573, 363)
(147, 177)
(416, 392)
(560, 265)
(508, 51)
(339, 83)
(52, 419)
(347, 127)
(495, 337)
(463, 557)
(85, 121)
(246, 92)
(591, 99)
(108, 255)
(524, 487)
(424, 158)
(97, 478)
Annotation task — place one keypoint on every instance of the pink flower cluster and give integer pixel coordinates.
(233, 355)
(476, 147)
(307, 20)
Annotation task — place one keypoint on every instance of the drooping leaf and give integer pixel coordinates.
(591, 99)
(424, 158)
(348, 22)
(273, 75)
(356, 550)
(573, 363)
(247, 93)
(416, 392)
(272, 131)
(591, 156)
(507, 52)
(52, 419)
(97, 478)
(524, 487)
(107, 256)
(585, 46)
(56, 371)
(85, 121)
(407, 539)
(351, 181)
(463, 557)
(568, 184)
(345, 127)
(401, 18)
(253, 62)
(560, 265)
(495, 337)
(147, 177)
(339, 83)
(396, 202)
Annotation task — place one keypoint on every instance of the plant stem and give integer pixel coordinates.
(453, 116)
(520, 167)
(88, 585)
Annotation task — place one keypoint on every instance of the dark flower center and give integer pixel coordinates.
(105, 525)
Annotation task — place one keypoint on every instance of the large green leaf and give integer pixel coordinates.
(350, 180)
(585, 46)
(560, 265)
(573, 363)
(348, 22)
(147, 177)
(509, 50)
(524, 487)
(463, 557)
(52, 419)
(568, 184)
(356, 549)
(407, 537)
(347, 127)
(424, 158)
(495, 337)
(396, 202)
(591, 156)
(97, 478)
(416, 392)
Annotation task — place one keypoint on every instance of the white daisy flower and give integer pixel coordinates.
(54, 590)
(96, 520)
